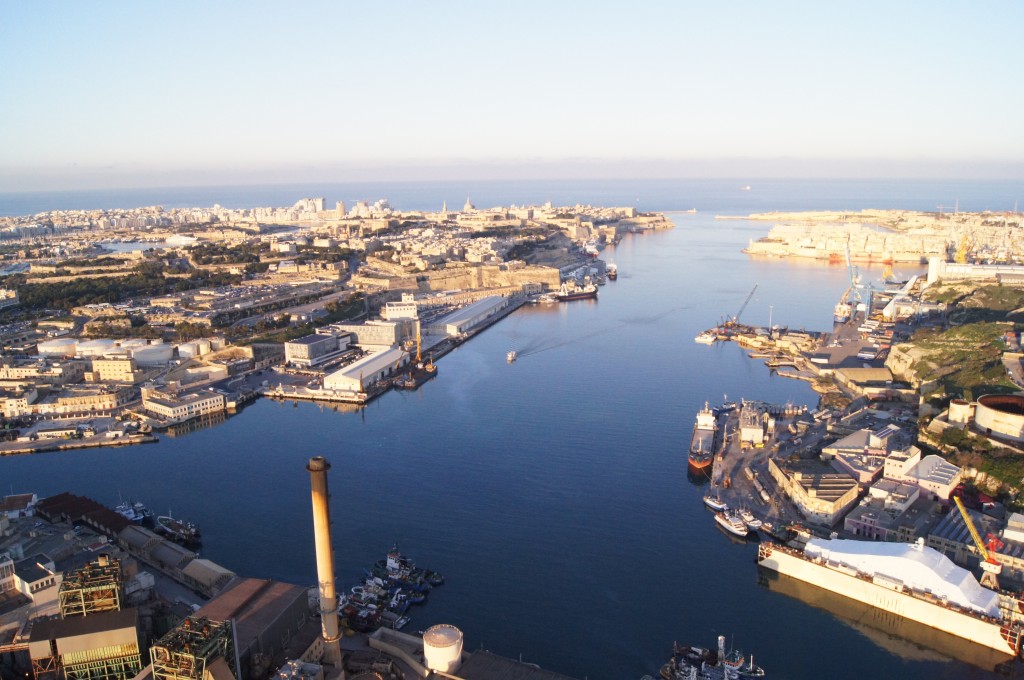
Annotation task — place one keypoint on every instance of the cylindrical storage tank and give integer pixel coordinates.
(60, 347)
(95, 348)
(204, 347)
(442, 648)
(153, 355)
(1000, 414)
(187, 350)
(960, 412)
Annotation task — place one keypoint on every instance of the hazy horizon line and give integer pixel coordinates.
(147, 176)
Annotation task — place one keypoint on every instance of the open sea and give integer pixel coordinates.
(551, 492)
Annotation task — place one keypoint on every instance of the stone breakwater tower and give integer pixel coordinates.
(318, 467)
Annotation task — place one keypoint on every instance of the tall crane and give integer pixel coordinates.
(736, 319)
(990, 567)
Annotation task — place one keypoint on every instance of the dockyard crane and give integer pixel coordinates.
(990, 567)
(736, 319)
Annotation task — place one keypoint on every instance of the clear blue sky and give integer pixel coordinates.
(139, 94)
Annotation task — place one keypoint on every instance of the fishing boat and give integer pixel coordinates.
(715, 503)
(699, 663)
(706, 338)
(179, 531)
(749, 519)
(732, 523)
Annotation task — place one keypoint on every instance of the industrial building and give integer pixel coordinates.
(267, 615)
(466, 318)
(177, 408)
(197, 649)
(820, 494)
(94, 638)
(362, 374)
(313, 350)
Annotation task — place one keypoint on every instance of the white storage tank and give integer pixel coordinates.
(960, 412)
(153, 355)
(187, 350)
(59, 347)
(442, 648)
(95, 348)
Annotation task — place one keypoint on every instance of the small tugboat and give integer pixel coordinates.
(611, 270)
(732, 523)
(698, 663)
(179, 531)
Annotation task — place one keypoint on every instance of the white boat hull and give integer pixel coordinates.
(991, 633)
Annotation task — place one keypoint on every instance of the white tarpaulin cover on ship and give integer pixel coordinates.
(917, 566)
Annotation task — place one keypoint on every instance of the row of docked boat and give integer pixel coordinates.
(739, 522)
(389, 588)
(699, 663)
(180, 531)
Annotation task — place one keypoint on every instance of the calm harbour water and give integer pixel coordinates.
(552, 492)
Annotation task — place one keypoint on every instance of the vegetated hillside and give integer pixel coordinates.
(965, 356)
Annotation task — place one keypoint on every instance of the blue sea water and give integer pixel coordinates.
(713, 195)
(552, 492)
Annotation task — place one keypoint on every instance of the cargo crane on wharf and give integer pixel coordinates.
(731, 325)
(851, 302)
(990, 567)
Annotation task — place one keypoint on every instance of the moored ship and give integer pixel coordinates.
(699, 663)
(179, 531)
(571, 290)
(732, 523)
(702, 443)
(911, 581)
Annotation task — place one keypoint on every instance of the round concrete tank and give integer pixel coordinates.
(1001, 415)
(187, 350)
(442, 648)
(61, 347)
(95, 348)
(960, 412)
(153, 355)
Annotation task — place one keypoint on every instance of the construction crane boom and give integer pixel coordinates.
(990, 567)
(736, 319)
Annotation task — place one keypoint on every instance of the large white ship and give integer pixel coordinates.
(911, 581)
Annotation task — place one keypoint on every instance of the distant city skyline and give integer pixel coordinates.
(120, 95)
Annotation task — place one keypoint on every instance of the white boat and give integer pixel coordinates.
(715, 503)
(752, 522)
(706, 338)
(511, 356)
(731, 523)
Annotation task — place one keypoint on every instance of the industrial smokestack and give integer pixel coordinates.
(318, 467)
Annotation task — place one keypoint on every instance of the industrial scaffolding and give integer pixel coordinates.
(96, 587)
(185, 652)
(118, 662)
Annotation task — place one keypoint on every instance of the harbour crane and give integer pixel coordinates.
(990, 567)
(736, 319)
